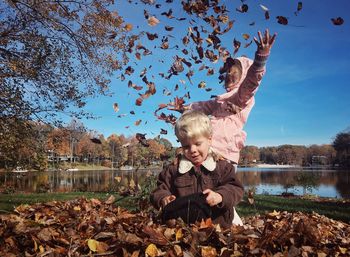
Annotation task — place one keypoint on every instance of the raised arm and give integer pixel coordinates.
(256, 71)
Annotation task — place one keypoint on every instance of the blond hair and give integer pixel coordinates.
(193, 124)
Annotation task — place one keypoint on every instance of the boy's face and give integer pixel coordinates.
(233, 76)
(196, 149)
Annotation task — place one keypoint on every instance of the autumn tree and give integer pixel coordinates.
(341, 144)
(53, 55)
(23, 144)
(155, 150)
(249, 154)
(118, 152)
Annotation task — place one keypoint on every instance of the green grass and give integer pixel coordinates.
(338, 210)
(335, 209)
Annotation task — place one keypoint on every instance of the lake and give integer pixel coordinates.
(328, 183)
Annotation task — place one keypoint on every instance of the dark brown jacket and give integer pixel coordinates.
(221, 180)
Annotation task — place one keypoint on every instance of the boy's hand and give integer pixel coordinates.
(167, 200)
(265, 43)
(213, 198)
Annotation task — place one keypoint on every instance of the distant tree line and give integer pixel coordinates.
(41, 146)
(335, 154)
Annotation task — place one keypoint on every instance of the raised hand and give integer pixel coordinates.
(265, 43)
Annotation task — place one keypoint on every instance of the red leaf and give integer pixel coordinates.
(337, 21)
(282, 20)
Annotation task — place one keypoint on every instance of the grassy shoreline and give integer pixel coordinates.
(338, 209)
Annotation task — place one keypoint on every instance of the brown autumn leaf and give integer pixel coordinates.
(155, 236)
(202, 84)
(282, 20)
(243, 8)
(138, 122)
(128, 27)
(236, 45)
(337, 21)
(169, 28)
(142, 139)
(139, 101)
(110, 200)
(151, 36)
(297, 233)
(153, 21)
(246, 36)
(116, 107)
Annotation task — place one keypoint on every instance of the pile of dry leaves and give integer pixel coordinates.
(84, 227)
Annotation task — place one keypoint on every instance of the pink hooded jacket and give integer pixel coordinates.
(228, 135)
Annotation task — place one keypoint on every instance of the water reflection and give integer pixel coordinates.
(330, 183)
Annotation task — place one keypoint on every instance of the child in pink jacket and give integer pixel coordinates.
(229, 112)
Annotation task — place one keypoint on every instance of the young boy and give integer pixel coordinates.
(199, 170)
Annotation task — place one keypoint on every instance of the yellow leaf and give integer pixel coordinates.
(132, 184)
(178, 250)
(178, 235)
(343, 250)
(274, 213)
(246, 36)
(153, 21)
(77, 208)
(92, 245)
(128, 27)
(208, 251)
(118, 179)
(151, 250)
(209, 41)
(41, 249)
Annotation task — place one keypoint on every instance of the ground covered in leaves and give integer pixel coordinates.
(84, 227)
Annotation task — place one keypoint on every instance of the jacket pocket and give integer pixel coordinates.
(184, 186)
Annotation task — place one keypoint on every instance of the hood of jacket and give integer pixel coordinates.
(245, 64)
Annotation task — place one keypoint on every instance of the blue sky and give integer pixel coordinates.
(303, 98)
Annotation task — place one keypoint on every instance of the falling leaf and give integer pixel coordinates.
(267, 15)
(243, 8)
(142, 139)
(163, 131)
(282, 20)
(139, 101)
(95, 140)
(246, 36)
(137, 122)
(300, 6)
(169, 28)
(236, 45)
(151, 36)
(202, 84)
(115, 107)
(337, 21)
(153, 21)
(264, 8)
(128, 27)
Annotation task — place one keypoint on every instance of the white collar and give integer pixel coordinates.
(185, 165)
